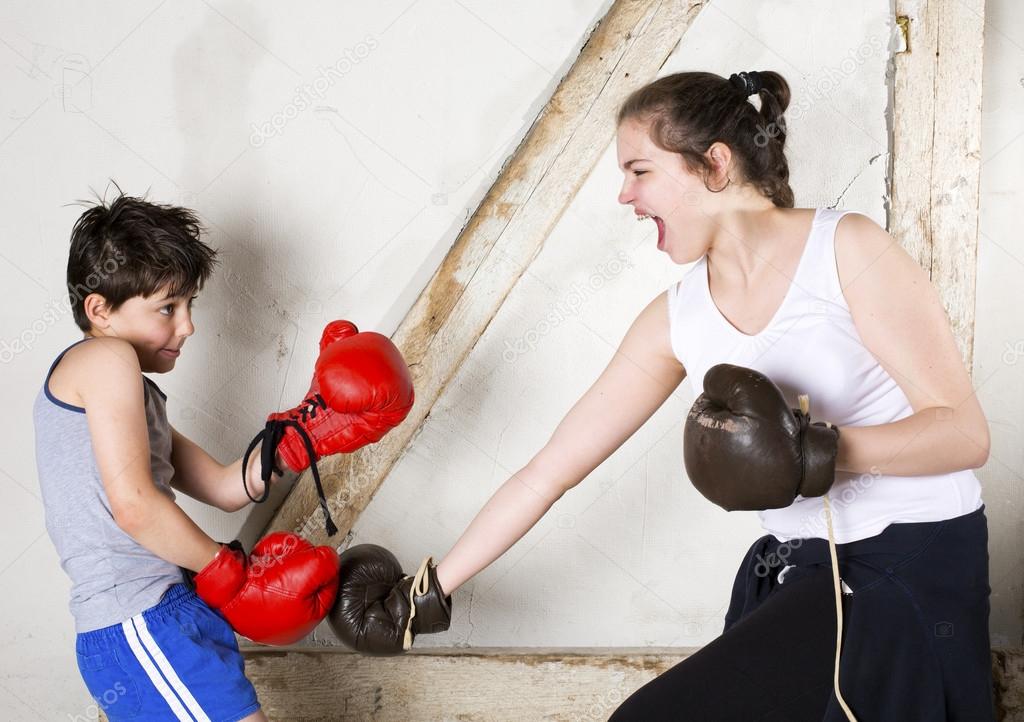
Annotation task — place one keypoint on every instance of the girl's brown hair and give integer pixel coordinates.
(688, 112)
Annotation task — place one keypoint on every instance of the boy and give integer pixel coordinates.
(148, 645)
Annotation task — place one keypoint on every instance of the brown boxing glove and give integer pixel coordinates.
(745, 449)
(379, 609)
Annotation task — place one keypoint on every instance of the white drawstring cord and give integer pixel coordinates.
(805, 405)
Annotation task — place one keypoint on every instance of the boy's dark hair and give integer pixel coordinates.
(688, 112)
(132, 247)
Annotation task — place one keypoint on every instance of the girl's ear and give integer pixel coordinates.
(720, 157)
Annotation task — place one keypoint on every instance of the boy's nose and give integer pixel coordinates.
(187, 328)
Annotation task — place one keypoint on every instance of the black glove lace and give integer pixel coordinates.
(271, 436)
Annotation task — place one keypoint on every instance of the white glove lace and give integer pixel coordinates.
(420, 586)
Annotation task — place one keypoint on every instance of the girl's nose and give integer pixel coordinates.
(626, 193)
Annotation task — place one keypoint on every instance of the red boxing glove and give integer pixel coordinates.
(361, 389)
(278, 594)
(365, 381)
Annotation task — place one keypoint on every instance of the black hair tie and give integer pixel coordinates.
(747, 83)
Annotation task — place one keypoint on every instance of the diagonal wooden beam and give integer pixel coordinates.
(508, 229)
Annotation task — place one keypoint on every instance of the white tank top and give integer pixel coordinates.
(811, 346)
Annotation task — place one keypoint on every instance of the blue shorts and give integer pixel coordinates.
(177, 660)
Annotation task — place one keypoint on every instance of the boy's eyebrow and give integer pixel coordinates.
(169, 297)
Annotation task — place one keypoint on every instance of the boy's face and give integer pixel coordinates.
(156, 326)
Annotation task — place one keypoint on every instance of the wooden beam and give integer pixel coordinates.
(484, 685)
(936, 149)
(506, 232)
(1008, 684)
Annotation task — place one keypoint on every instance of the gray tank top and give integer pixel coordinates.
(113, 577)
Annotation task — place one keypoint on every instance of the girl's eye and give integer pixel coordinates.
(639, 172)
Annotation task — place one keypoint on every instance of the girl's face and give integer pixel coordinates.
(660, 187)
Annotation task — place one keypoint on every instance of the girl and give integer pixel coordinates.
(822, 302)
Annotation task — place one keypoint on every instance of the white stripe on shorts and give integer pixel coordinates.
(141, 641)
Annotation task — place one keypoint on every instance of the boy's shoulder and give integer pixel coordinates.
(98, 367)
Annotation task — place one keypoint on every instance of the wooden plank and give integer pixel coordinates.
(936, 146)
(482, 685)
(506, 232)
(1008, 678)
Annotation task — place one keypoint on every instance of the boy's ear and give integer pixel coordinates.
(96, 310)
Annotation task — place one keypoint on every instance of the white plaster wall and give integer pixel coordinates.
(343, 209)
(999, 332)
(634, 555)
(347, 209)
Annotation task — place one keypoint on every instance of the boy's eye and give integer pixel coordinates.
(169, 306)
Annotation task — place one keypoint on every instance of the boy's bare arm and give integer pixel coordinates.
(109, 382)
(202, 477)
